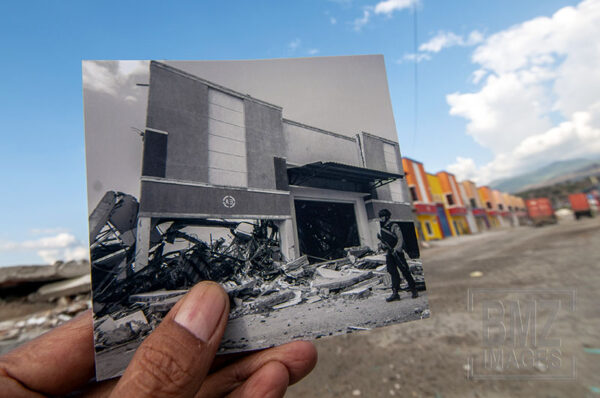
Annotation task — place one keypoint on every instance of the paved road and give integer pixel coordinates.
(429, 358)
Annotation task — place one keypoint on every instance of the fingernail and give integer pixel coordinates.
(201, 310)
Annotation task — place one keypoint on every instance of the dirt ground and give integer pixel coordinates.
(430, 358)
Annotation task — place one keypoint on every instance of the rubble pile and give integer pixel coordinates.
(251, 268)
(252, 253)
(14, 332)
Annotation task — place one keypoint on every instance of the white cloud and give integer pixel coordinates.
(441, 40)
(449, 39)
(418, 57)
(107, 76)
(386, 7)
(389, 6)
(362, 21)
(463, 169)
(313, 51)
(531, 75)
(62, 246)
(332, 20)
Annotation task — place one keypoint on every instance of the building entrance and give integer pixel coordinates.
(325, 229)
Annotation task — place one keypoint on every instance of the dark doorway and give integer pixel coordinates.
(325, 229)
(411, 244)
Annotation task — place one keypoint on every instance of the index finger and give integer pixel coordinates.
(57, 362)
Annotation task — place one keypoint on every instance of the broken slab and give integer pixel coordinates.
(297, 263)
(368, 283)
(69, 287)
(329, 273)
(343, 282)
(294, 301)
(355, 294)
(357, 251)
(20, 274)
(159, 295)
(267, 302)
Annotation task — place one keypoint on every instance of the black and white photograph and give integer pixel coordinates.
(280, 179)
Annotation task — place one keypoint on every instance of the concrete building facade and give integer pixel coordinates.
(212, 152)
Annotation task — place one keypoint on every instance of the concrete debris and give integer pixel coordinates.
(329, 273)
(69, 287)
(358, 251)
(252, 254)
(358, 328)
(269, 301)
(14, 332)
(24, 274)
(294, 301)
(313, 299)
(342, 282)
(356, 294)
(250, 267)
(476, 274)
(110, 332)
(156, 296)
(301, 261)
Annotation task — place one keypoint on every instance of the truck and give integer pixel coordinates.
(540, 211)
(580, 205)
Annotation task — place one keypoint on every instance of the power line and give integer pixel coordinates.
(416, 75)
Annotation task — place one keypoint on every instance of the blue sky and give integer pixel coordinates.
(497, 126)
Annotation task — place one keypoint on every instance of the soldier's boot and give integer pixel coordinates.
(394, 297)
(415, 293)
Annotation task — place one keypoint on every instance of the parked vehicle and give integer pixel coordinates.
(540, 211)
(580, 205)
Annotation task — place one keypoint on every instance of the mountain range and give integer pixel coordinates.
(550, 174)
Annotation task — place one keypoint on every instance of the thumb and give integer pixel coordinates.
(174, 360)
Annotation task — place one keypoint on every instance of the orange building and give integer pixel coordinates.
(454, 203)
(487, 198)
(475, 207)
(427, 224)
(502, 207)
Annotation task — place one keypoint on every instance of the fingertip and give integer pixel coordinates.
(300, 360)
(270, 381)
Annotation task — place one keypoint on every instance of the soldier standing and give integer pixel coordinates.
(393, 242)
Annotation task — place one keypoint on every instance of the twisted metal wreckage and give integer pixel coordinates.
(250, 267)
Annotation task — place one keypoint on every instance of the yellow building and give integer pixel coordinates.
(437, 194)
(427, 224)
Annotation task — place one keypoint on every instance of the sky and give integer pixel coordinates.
(485, 90)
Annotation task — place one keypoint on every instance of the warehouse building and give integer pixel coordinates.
(212, 152)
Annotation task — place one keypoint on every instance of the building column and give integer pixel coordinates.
(142, 244)
(288, 242)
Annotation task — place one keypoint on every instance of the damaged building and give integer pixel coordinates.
(212, 152)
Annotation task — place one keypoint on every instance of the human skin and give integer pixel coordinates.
(176, 360)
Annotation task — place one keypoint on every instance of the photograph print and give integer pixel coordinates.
(280, 179)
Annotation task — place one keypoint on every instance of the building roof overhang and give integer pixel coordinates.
(302, 175)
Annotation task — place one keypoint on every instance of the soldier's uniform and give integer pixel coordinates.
(391, 236)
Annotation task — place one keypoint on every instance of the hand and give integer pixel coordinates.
(176, 360)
